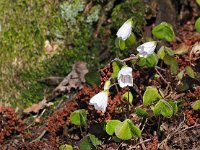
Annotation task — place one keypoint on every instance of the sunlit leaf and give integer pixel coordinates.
(66, 147)
(141, 112)
(128, 97)
(180, 75)
(79, 117)
(111, 125)
(164, 31)
(161, 52)
(163, 108)
(150, 95)
(197, 25)
(196, 105)
(190, 71)
(198, 2)
(152, 60)
(127, 130)
(116, 67)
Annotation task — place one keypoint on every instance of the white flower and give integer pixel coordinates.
(125, 77)
(100, 101)
(146, 48)
(125, 30)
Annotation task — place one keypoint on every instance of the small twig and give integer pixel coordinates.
(143, 141)
(172, 134)
(126, 59)
(40, 137)
(188, 128)
(161, 76)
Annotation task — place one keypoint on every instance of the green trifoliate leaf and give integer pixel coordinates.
(197, 25)
(190, 71)
(141, 112)
(196, 105)
(128, 97)
(164, 31)
(89, 142)
(79, 117)
(130, 41)
(150, 95)
(111, 125)
(127, 130)
(152, 60)
(172, 62)
(142, 62)
(163, 108)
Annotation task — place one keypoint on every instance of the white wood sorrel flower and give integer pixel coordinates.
(146, 49)
(100, 101)
(125, 77)
(125, 30)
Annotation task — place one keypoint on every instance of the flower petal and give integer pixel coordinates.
(146, 48)
(125, 77)
(125, 30)
(100, 101)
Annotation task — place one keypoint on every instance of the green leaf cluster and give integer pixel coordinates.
(150, 61)
(164, 108)
(89, 142)
(125, 130)
(164, 31)
(79, 117)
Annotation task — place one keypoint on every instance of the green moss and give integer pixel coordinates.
(134, 9)
(24, 27)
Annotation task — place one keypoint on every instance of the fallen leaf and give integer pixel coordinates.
(75, 78)
(36, 107)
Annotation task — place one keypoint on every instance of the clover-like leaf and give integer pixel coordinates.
(79, 117)
(172, 62)
(164, 31)
(150, 95)
(141, 112)
(127, 130)
(116, 66)
(190, 71)
(197, 25)
(130, 41)
(128, 97)
(89, 142)
(196, 105)
(152, 60)
(111, 125)
(198, 2)
(163, 108)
